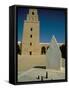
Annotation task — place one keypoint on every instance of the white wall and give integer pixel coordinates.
(4, 41)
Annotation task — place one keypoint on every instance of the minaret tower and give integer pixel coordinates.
(30, 41)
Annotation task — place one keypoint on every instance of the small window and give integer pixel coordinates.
(31, 36)
(30, 44)
(32, 13)
(31, 29)
(30, 53)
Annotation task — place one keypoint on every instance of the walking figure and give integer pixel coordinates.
(46, 74)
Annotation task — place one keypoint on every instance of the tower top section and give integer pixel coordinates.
(32, 16)
(33, 12)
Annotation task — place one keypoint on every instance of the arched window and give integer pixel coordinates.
(32, 13)
(30, 44)
(43, 50)
(30, 53)
(30, 36)
(31, 29)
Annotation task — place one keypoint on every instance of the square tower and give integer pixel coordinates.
(30, 41)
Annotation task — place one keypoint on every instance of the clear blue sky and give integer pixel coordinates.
(52, 22)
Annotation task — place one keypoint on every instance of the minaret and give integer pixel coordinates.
(30, 42)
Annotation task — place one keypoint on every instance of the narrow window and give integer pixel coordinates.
(30, 53)
(31, 29)
(30, 36)
(30, 44)
(32, 13)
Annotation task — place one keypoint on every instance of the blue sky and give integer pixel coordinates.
(52, 22)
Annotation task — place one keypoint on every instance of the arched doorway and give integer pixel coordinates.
(43, 50)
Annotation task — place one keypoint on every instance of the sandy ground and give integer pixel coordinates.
(26, 72)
